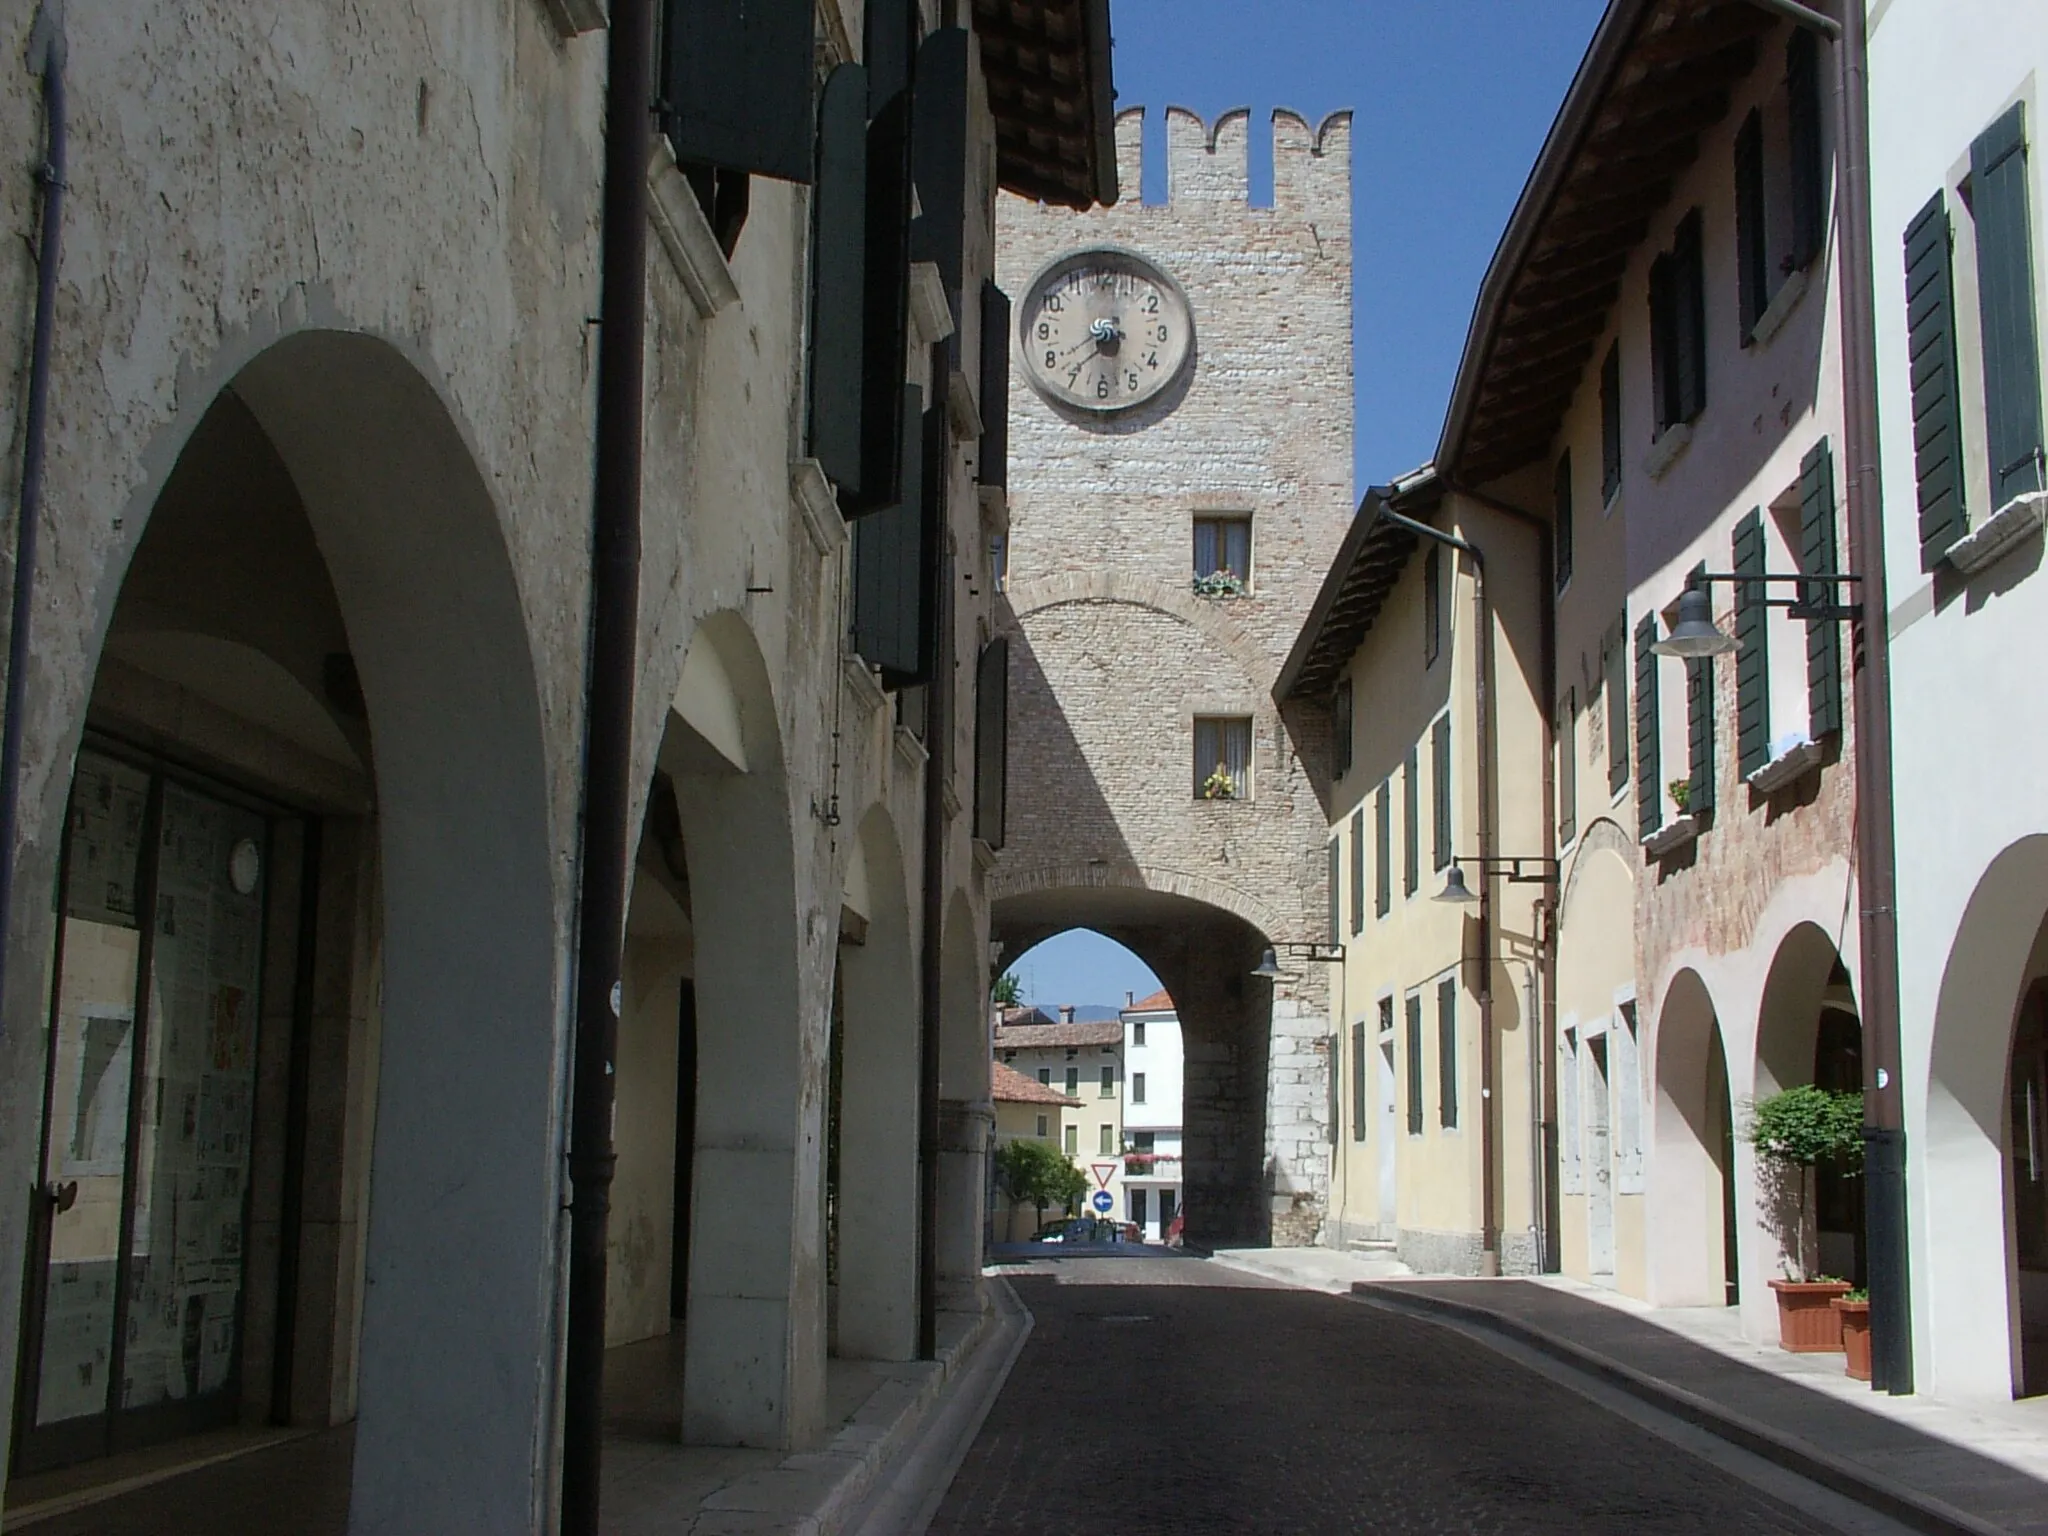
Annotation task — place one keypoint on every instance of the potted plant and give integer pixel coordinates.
(1219, 785)
(1681, 793)
(1854, 1312)
(1793, 1132)
(1220, 583)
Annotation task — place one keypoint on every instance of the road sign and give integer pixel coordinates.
(1104, 1172)
(1102, 1201)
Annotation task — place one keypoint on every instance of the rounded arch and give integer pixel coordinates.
(1691, 1205)
(1109, 585)
(1806, 977)
(1012, 887)
(1968, 1316)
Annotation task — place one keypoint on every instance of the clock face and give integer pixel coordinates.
(1105, 330)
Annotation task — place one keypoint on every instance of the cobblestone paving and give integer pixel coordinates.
(1165, 1395)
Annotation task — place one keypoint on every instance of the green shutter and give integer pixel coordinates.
(1689, 312)
(2005, 294)
(1440, 790)
(993, 465)
(884, 423)
(1359, 1113)
(1336, 917)
(889, 43)
(1931, 346)
(1383, 851)
(1649, 793)
(1752, 253)
(1752, 662)
(1561, 537)
(1411, 825)
(839, 277)
(1413, 1010)
(1358, 871)
(1663, 345)
(1699, 728)
(895, 559)
(736, 84)
(938, 160)
(1610, 423)
(1809, 152)
(1617, 705)
(1447, 1052)
(1817, 546)
(992, 741)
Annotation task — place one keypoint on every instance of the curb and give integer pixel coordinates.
(1908, 1506)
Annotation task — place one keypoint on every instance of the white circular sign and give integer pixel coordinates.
(245, 866)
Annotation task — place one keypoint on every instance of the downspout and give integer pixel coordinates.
(1482, 712)
(46, 56)
(608, 744)
(931, 973)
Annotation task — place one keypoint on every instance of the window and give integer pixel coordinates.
(1432, 604)
(1045, 1076)
(1446, 1051)
(1073, 1053)
(1808, 153)
(1223, 548)
(1223, 758)
(1143, 1141)
(1138, 1034)
(1073, 1082)
(1105, 1141)
(1610, 425)
(1411, 825)
(1137, 1087)
(1358, 871)
(1009, 1056)
(1568, 766)
(1041, 1127)
(1383, 849)
(1752, 247)
(1340, 728)
(1414, 1012)
(1139, 1202)
(1358, 1109)
(1073, 1141)
(1561, 522)
(1440, 788)
(1678, 327)
(2006, 299)
(1614, 667)
(1108, 1083)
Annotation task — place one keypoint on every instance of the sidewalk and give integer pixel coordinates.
(1933, 1465)
(1313, 1269)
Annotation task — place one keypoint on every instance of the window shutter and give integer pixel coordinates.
(1359, 1113)
(1931, 346)
(1336, 916)
(1817, 556)
(839, 277)
(1561, 503)
(992, 741)
(939, 158)
(1663, 344)
(1411, 825)
(1808, 154)
(1341, 727)
(2005, 293)
(1610, 424)
(993, 466)
(1752, 255)
(736, 84)
(1690, 317)
(1617, 704)
(1383, 851)
(895, 562)
(1649, 794)
(1699, 728)
(1447, 1052)
(1358, 871)
(1568, 766)
(1413, 1010)
(1432, 604)
(1440, 791)
(889, 43)
(1753, 661)
(884, 417)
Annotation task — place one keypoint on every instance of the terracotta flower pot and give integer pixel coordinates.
(1808, 1323)
(1855, 1317)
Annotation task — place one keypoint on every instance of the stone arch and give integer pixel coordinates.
(877, 1154)
(1109, 585)
(1690, 1169)
(1602, 836)
(1965, 1260)
(464, 1194)
(1010, 884)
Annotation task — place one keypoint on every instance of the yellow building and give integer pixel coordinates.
(1026, 1110)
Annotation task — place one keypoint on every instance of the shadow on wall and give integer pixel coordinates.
(1057, 783)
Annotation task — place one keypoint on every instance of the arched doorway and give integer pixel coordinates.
(302, 1097)
(1693, 1248)
(2027, 1179)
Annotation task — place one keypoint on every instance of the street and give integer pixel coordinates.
(1166, 1395)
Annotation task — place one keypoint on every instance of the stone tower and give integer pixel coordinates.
(1123, 670)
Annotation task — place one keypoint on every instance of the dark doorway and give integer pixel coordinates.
(686, 1152)
(2029, 1164)
(1838, 1192)
(1723, 1111)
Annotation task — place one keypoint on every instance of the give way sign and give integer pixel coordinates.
(1104, 1172)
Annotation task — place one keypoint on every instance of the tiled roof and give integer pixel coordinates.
(1158, 1002)
(1013, 1087)
(1024, 1037)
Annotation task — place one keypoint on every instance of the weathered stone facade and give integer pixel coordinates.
(1114, 656)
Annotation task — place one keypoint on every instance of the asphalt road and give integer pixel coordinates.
(1166, 1395)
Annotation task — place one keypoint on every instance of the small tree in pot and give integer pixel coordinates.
(1794, 1132)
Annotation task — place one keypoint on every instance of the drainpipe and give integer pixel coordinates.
(46, 56)
(608, 744)
(938, 738)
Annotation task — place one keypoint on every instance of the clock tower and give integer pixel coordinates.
(1179, 479)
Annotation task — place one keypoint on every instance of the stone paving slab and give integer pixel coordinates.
(1925, 1474)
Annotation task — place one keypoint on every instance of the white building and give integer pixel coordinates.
(1084, 1061)
(1956, 207)
(1152, 1114)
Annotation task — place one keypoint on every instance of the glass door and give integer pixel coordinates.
(133, 1321)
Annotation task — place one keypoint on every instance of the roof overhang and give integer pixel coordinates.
(1047, 63)
(1656, 76)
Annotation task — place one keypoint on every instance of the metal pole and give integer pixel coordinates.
(608, 744)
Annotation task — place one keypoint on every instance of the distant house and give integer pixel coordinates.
(1152, 1114)
(1083, 1062)
(1026, 1110)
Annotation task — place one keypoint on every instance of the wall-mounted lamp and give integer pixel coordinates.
(1695, 636)
(1516, 870)
(1268, 967)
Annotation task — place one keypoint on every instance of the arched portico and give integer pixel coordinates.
(1693, 1249)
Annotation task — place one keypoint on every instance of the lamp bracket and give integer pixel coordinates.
(1516, 869)
(1808, 605)
(1328, 954)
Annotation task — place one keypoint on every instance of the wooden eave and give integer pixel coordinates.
(1048, 71)
(1367, 566)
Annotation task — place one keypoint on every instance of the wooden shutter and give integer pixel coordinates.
(1413, 1010)
(1649, 757)
(1358, 871)
(1383, 850)
(1753, 661)
(1335, 873)
(1561, 503)
(1610, 423)
(1440, 790)
(1341, 728)
(736, 84)
(895, 561)
(1809, 154)
(1359, 1112)
(1699, 728)
(2005, 294)
(889, 44)
(1447, 1052)
(1689, 315)
(1817, 555)
(884, 424)
(1663, 345)
(1568, 766)
(839, 277)
(1411, 825)
(992, 741)
(993, 465)
(939, 158)
(1432, 604)
(1752, 254)
(1931, 346)
(1616, 659)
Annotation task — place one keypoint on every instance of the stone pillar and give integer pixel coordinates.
(1298, 1122)
(965, 1128)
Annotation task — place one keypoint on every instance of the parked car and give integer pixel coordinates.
(1079, 1229)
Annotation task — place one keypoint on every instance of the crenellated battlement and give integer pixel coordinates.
(1210, 162)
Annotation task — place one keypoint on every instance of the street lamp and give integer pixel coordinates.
(1268, 968)
(1516, 869)
(1695, 636)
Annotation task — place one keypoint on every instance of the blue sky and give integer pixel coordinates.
(1452, 99)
